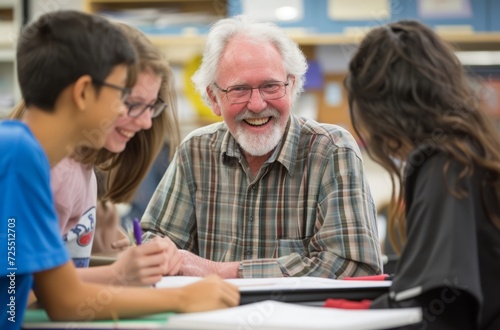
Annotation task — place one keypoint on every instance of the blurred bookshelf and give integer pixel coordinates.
(179, 26)
(10, 24)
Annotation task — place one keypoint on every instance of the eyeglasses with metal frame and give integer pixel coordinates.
(269, 90)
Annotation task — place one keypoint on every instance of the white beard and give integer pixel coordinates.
(259, 144)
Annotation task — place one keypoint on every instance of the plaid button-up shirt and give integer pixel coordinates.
(308, 211)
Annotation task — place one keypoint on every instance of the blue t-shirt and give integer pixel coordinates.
(30, 240)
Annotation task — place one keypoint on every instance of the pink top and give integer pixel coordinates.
(74, 187)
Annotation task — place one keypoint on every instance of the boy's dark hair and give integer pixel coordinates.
(60, 47)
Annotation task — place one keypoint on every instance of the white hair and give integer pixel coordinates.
(221, 33)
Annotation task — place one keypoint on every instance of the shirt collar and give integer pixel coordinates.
(230, 147)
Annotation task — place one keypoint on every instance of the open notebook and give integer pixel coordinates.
(278, 283)
(265, 315)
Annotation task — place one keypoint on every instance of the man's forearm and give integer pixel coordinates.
(193, 265)
(227, 269)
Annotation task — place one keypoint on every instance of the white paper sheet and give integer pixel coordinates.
(274, 315)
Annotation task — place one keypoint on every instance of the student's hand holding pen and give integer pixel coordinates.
(172, 261)
(145, 264)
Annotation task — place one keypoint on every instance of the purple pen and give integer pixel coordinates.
(137, 232)
(138, 235)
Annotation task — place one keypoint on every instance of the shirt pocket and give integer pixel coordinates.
(288, 246)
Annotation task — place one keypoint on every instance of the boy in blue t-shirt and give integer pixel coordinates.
(72, 70)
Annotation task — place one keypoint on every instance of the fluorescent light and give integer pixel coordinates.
(479, 57)
(274, 10)
(286, 13)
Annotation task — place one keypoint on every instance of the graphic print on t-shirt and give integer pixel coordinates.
(80, 238)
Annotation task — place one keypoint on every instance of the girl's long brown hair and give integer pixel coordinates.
(123, 172)
(406, 87)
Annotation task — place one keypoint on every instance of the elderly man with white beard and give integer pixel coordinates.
(264, 193)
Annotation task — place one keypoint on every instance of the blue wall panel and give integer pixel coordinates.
(493, 15)
(407, 9)
(485, 16)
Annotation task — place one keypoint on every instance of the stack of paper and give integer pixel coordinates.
(278, 283)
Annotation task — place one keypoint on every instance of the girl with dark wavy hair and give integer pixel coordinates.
(412, 105)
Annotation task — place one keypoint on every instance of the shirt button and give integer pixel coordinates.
(253, 187)
(250, 218)
(249, 253)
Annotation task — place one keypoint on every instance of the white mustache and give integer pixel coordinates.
(248, 114)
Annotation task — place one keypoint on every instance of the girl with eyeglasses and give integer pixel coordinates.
(129, 150)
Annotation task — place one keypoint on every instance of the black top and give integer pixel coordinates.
(450, 265)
